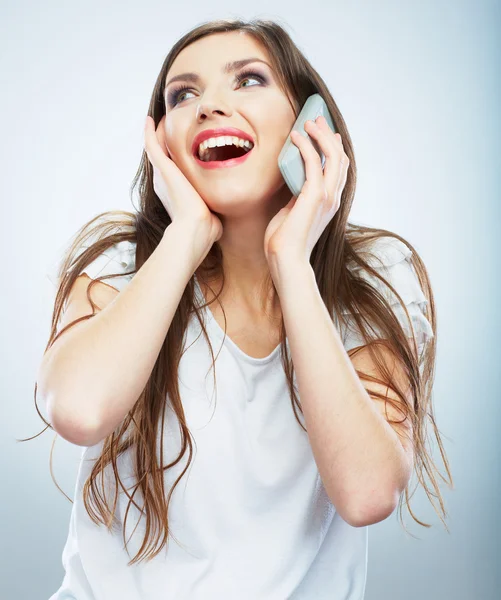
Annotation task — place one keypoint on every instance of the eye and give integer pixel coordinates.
(250, 75)
(175, 94)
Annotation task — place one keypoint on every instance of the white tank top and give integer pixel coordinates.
(250, 519)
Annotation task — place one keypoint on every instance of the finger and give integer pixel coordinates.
(343, 177)
(312, 162)
(160, 131)
(153, 146)
(150, 136)
(335, 176)
(321, 121)
(336, 161)
(322, 124)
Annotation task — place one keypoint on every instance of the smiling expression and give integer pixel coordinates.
(213, 85)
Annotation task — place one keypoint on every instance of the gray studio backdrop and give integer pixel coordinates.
(418, 84)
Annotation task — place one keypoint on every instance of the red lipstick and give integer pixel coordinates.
(223, 131)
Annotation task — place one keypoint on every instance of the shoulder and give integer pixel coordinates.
(391, 259)
(121, 255)
(384, 251)
(119, 259)
(397, 281)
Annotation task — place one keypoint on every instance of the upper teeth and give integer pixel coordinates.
(224, 140)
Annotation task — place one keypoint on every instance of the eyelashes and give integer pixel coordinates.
(173, 96)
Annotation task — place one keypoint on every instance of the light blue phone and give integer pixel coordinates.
(290, 161)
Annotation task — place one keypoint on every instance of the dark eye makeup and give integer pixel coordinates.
(174, 93)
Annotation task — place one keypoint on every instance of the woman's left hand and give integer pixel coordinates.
(296, 228)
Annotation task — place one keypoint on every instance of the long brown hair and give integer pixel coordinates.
(340, 245)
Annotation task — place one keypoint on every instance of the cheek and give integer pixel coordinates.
(276, 137)
(278, 127)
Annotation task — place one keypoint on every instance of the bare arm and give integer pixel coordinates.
(364, 461)
(93, 375)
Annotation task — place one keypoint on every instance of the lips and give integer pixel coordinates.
(208, 133)
(218, 164)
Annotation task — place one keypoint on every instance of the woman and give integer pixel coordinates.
(276, 497)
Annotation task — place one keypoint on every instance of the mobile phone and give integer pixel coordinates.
(290, 161)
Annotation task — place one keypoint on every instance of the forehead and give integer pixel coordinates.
(213, 51)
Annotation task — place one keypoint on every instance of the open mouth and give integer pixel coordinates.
(222, 153)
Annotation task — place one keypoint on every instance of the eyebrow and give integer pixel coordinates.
(229, 67)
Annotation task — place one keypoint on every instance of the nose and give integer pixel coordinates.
(208, 110)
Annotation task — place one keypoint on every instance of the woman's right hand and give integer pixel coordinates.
(180, 199)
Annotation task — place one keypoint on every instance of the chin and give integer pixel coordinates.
(236, 201)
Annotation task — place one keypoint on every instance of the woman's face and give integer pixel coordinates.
(255, 104)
